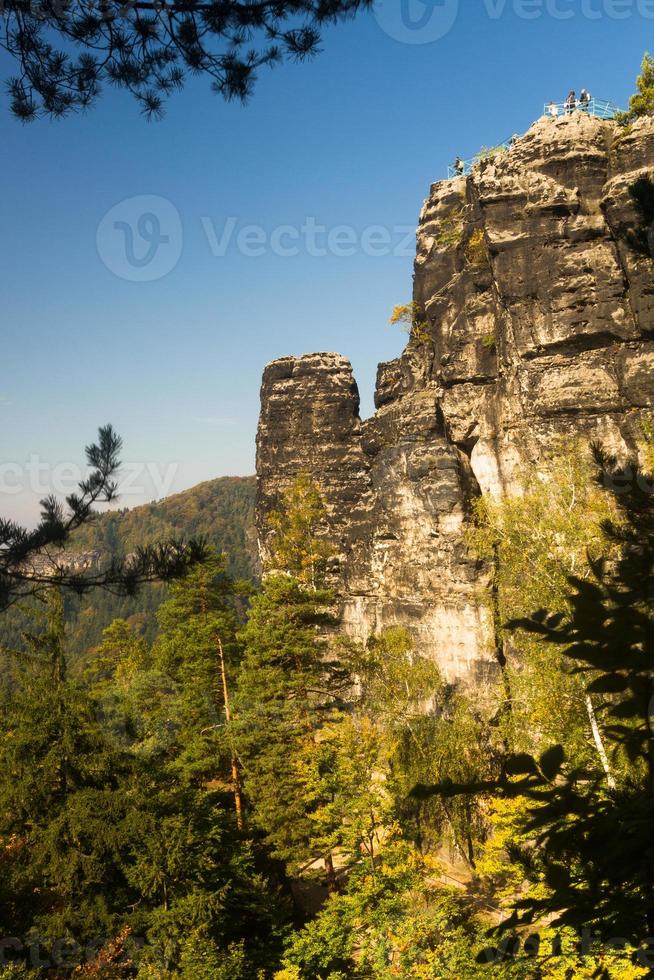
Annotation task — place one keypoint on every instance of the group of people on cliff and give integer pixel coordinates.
(571, 103)
(568, 107)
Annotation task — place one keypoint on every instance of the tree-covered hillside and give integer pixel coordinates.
(221, 511)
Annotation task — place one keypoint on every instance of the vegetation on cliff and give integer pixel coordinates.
(219, 782)
(642, 103)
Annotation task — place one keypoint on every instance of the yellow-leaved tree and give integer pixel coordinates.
(299, 544)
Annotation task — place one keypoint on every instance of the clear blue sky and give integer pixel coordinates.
(353, 138)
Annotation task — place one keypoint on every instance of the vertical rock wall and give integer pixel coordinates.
(535, 281)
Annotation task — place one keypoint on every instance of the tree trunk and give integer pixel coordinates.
(236, 778)
(599, 744)
(332, 883)
(506, 708)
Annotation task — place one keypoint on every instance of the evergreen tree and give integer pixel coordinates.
(28, 568)
(64, 54)
(60, 810)
(114, 824)
(291, 687)
(642, 103)
(198, 650)
(290, 690)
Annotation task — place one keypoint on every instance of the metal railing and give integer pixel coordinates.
(600, 108)
(486, 153)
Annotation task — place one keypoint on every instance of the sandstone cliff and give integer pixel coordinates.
(535, 281)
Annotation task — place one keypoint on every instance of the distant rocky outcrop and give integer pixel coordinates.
(50, 565)
(535, 281)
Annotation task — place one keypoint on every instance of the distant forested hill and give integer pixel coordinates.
(221, 511)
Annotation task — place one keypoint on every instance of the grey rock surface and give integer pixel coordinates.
(535, 280)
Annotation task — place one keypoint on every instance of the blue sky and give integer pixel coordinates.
(353, 138)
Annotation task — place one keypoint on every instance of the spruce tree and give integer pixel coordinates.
(60, 804)
(117, 821)
(291, 688)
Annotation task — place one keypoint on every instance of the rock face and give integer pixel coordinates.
(534, 282)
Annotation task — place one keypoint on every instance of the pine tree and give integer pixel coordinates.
(289, 690)
(291, 687)
(198, 651)
(642, 103)
(32, 562)
(64, 54)
(60, 811)
(113, 821)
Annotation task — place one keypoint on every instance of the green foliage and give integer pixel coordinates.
(450, 229)
(413, 319)
(451, 745)
(642, 103)
(395, 685)
(601, 864)
(289, 689)
(646, 446)
(589, 840)
(397, 921)
(163, 789)
(290, 692)
(219, 512)
(424, 733)
(299, 545)
(476, 252)
(536, 540)
(545, 532)
(116, 804)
